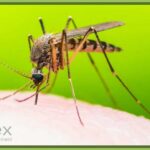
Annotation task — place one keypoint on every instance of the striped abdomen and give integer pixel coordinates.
(92, 46)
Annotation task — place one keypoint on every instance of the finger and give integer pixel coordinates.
(54, 122)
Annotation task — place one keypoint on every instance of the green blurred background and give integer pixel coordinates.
(132, 64)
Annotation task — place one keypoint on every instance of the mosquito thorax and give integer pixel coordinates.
(40, 51)
(37, 76)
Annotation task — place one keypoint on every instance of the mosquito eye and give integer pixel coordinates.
(37, 77)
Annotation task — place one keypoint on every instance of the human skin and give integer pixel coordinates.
(54, 122)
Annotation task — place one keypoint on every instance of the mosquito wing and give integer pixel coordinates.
(83, 30)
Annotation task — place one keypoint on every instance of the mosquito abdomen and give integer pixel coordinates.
(92, 46)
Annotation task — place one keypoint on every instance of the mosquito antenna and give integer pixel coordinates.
(42, 25)
(17, 91)
(14, 70)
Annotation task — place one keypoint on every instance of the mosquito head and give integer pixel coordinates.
(37, 76)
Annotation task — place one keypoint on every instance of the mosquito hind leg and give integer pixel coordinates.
(104, 83)
(118, 77)
(108, 91)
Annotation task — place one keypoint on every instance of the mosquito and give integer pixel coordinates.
(51, 51)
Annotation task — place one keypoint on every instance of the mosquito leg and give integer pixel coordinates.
(17, 91)
(69, 78)
(70, 19)
(109, 64)
(42, 25)
(47, 84)
(117, 76)
(103, 81)
(108, 91)
(38, 87)
(80, 45)
(48, 75)
(22, 100)
(49, 89)
(30, 40)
